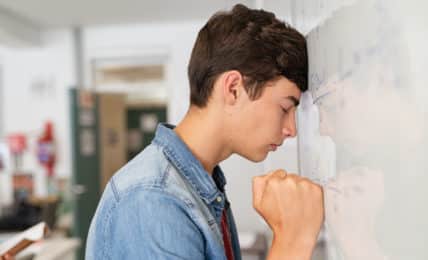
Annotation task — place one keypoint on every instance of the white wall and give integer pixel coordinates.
(369, 82)
(36, 82)
(1, 96)
(169, 44)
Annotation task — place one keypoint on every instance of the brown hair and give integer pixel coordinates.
(255, 43)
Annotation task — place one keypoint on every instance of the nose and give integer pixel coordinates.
(289, 128)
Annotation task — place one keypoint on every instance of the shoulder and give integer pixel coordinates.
(147, 168)
(149, 171)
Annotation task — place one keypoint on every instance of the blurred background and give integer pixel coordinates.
(83, 85)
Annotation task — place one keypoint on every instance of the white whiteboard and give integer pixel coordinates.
(362, 127)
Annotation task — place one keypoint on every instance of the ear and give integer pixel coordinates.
(232, 86)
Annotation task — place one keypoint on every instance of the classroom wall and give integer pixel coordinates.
(35, 82)
(363, 124)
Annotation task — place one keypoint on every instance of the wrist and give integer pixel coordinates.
(291, 247)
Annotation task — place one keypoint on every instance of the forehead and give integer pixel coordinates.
(282, 88)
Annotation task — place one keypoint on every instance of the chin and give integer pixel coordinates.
(256, 157)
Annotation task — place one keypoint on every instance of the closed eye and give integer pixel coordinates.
(286, 110)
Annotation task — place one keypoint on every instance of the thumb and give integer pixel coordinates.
(259, 184)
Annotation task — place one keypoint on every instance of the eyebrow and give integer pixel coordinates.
(294, 100)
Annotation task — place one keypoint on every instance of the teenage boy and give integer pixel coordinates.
(246, 72)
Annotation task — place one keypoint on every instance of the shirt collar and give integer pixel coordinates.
(191, 169)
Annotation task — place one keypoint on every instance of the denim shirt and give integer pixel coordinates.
(162, 205)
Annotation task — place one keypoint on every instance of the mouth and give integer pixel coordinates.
(273, 147)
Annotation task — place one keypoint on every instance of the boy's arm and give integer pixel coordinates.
(164, 228)
(147, 224)
(293, 208)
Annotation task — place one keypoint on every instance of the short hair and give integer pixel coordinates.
(253, 42)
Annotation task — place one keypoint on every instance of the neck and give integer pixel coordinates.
(203, 134)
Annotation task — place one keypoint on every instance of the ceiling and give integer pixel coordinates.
(65, 13)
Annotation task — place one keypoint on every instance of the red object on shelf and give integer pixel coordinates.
(46, 152)
(17, 143)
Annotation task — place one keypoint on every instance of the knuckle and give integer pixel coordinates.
(293, 175)
(279, 174)
(270, 183)
(282, 172)
(275, 183)
(290, 182)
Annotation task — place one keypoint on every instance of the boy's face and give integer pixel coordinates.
(263, 124)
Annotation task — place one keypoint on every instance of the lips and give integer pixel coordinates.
(273, 147)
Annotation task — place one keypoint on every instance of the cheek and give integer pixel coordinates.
(270, 125)
(262, 123)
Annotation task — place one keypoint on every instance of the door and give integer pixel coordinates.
(112, 134)
(142, 122)
(85, 162)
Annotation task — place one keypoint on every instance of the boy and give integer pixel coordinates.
(246, 73)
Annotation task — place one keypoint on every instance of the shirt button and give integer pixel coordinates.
(219, 199)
